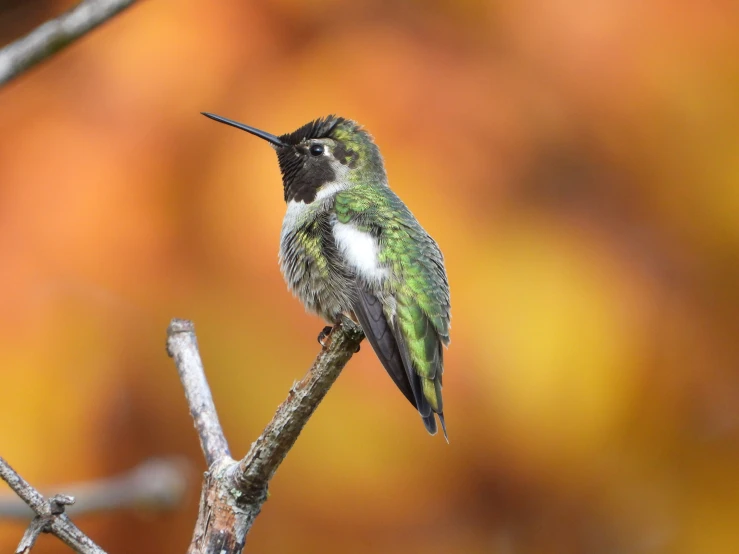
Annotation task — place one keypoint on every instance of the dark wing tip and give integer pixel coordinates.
(430, 423)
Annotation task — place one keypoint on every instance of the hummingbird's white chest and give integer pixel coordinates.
(360, 251)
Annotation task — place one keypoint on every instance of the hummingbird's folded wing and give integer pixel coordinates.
(379, 333)
(402, 293)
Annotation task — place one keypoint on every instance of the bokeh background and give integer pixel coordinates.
(576, 161)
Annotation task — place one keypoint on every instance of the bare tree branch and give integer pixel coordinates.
(182, 345)
(233, 492)
(37, 527)
(279, 436)
(156, 484)
(51, 517)
(56, 34)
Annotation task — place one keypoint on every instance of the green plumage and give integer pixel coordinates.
(417, 283)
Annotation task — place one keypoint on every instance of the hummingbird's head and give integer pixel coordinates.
(322, 157)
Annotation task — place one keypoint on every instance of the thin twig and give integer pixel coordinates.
(55, 34)
(155, 484)
(51, 513)
(182, 345)
(38, 526)
(233, 492)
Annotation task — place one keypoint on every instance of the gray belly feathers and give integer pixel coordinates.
(312, 265)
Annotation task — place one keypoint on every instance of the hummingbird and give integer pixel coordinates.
(350, 246)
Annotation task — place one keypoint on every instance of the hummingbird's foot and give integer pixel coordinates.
(323, 335)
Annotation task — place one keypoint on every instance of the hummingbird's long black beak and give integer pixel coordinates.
(261, 134)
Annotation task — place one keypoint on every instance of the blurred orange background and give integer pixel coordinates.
(576, 162)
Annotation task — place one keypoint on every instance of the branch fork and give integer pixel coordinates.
(50, 516)
(234, 491)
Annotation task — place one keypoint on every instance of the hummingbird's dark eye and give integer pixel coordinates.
(316, 149)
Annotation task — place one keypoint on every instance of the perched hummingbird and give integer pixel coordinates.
(350, 246)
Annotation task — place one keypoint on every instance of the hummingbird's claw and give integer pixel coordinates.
(323, 335)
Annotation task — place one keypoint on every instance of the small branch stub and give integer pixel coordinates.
(58, 502)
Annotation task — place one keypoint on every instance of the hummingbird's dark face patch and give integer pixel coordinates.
(313, 154)
(303, 172)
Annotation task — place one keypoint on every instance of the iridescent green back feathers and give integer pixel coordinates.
(414, 296)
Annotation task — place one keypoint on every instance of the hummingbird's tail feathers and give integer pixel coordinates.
(368, 310)
(443, 426)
